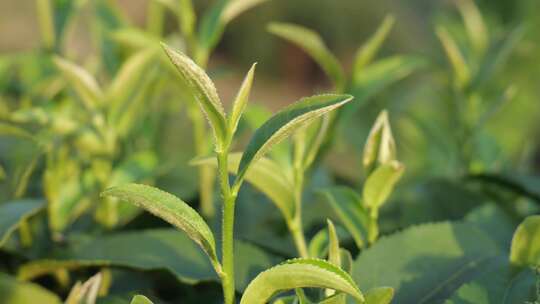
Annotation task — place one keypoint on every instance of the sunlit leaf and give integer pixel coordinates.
(85, 293)
(284, 123)
(84, 84)
(312, 44)
(380, 147)
(380, 295)
(380, 184)
(204, 91)
(241, 101)
(171, 209)
(525, 248)
(266, 176)
(139, 299)
(15, 292)
(298, 273)
(369, 49)
(12, 213)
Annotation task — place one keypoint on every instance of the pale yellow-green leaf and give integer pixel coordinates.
(284, 123)
(474, 24)
(237, 7)
(380, 147)
(334, 255)
(455, 56)
(312, 44)
(139, 299)
(380, 184)
(82, 82)
(267, 176)
(241, 101)
(13, 291)
(368, 50)
(525, 248)
(85, 293)
(46, 22)
(299, 273)
(203, 90)
(379, 295)
(171, 209)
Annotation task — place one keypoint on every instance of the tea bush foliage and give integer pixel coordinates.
(127, 178)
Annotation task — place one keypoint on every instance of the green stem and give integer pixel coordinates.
(229, 200)
(296, 225)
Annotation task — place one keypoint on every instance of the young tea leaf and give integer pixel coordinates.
(367, 52)
(380, 147)
(474, 24)
(299, 273)
(457, 61)
(284, 123)
(525, 248)
(267, 176)
(312, 44)
(13, 291)
(334, 255)
(85, 293)
(379, 295)
(204, 91)
(139, 299)
(84, 84)
(380, 183)
(171, 209)
(241, 101)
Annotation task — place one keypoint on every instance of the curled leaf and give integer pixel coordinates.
(171, 209)
(299, 273)
(241, 100)
(380, 147)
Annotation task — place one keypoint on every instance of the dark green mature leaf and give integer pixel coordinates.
(521, 184)
(171, 209)
(204, 91)
(494, 222)
(312, 44)
(84, 84)
(15, 292)
(267, 176)
(12, 213)
(426, 263)
(150, 250)
(499, 284)
(525, 248)
(367, 52)
(298, 273)
(284, 123)
(347, 205)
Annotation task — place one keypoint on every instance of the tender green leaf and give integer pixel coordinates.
(267, 176)
(139, 299)
(298, 273)
(525, 248)
(284, 123)
(496, 56)
(236, 7)
(187, 17)
(85, 293)
(379, 295)
(15, 292)
(82, 82)
(380, 184)
(334, 254)
(347, 205)
(46, 23)
(241, 101)
(13, 213)
(375, 77)
(426, 263)
(462, 73)
(149, 250)
(380, 147)
(498, 284)
(367, 52)
(204, 91)
(127, 82)
(171, 209)
(134, 38)
(312, 44)
(474, 24)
